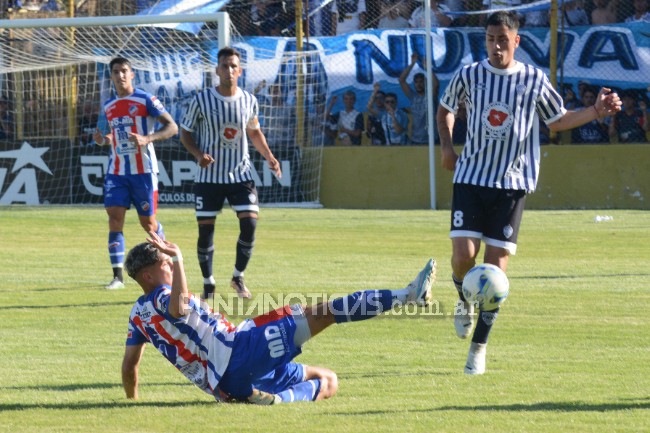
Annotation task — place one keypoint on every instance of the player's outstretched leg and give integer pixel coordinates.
(463, 313)
(370, 303)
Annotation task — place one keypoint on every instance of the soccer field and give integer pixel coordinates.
(570, 351)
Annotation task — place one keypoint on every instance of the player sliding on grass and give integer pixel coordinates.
(250, 362)
(505, 101)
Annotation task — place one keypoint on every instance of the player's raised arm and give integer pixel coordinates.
(607, 103)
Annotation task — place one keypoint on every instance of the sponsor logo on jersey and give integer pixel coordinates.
(275, 336)
(157, 104)
(497, 120)
(230, 134)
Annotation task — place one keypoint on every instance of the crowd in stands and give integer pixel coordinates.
(383, 121)
(276, 17)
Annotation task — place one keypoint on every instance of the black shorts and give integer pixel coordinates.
(490, 214)
(210, 198)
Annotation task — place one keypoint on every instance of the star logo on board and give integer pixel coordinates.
(27, 155)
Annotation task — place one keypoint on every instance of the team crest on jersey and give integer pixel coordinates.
(230, 134)
(133, 109)
(508, 231)
(520, 89)
(497, 120)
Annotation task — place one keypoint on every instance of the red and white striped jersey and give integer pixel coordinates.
(135, 113)
(502, 147)
(198, 344)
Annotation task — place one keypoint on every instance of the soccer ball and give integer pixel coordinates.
(487, 286)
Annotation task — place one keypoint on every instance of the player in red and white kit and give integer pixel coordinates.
(132, 175)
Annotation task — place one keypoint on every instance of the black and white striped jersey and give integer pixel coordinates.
(219, 125)
(504, 106)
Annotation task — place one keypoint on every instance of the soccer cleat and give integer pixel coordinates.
(208, 291)
(463, 318)
(116, 284)
(237, 283)
(476, 358)
(420, 287)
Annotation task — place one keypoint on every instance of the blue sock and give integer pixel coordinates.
(304, 391)
(361, 305)
(160, 231)
(484, 325)
(116, 248)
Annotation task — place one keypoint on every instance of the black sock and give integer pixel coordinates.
(484, 325)
(245, 242)
(117, 273)
(205, 248)
(459, 287)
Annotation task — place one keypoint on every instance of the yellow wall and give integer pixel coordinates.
(572, 177)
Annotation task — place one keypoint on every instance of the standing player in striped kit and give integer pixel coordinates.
(132, 175)
(214, 130)
(499, 164)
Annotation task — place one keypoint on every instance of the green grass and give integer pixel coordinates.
(570, 351)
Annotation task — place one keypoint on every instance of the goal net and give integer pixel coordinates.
(54, 79)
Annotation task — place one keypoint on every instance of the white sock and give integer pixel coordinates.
(210, 281)
(400, 295)
(236, 273)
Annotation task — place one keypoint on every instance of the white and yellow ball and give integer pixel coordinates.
(486, 285)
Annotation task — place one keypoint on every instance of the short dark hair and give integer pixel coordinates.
(141, 256)
(119, 61)
(503, 18)
(419, 75)
(227, 52)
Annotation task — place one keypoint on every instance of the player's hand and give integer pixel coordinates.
(98, 137)
(274, 165)
(205, 160)
(607, 103)
(414, 58)
(449, 158)
(139, 140)
(163, 245)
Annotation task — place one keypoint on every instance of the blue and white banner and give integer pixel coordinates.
(616, 56)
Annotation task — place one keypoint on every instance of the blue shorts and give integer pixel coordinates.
(139, 189)
(261, 356)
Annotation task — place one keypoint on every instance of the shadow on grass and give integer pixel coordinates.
(576, 277)
(567, 406)
(534, 407)
(86, 386)
(90, 304)
(103, 405)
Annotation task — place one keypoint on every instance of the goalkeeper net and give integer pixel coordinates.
(54, 79)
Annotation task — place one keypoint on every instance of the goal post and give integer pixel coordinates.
(48, 64)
